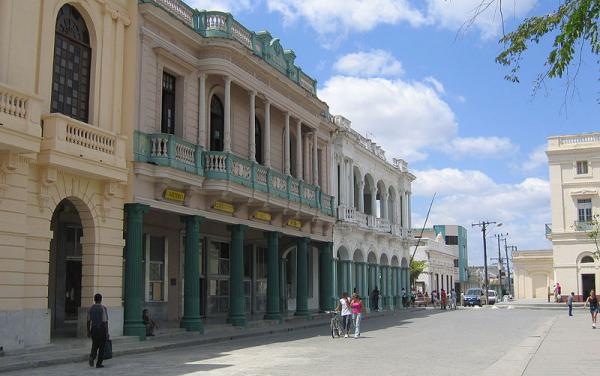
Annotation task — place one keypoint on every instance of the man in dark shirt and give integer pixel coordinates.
(97, 329)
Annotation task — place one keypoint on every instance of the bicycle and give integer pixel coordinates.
(335, 326)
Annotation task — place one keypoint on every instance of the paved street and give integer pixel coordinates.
(467, 341)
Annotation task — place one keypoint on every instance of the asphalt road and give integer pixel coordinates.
(430, 342)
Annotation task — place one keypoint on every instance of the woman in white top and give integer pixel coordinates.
(346, 312)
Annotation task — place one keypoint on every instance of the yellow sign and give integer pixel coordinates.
(294, 223)
(224, 207)
(174, 195)
(262, 216)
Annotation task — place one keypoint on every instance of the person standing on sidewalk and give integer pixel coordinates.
(97, 329)
(358, 313)
(345, 312)
(453, 299)
(570, 303)
(592, 300)
(443, 299)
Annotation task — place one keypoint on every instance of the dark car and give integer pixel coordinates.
(473, 297)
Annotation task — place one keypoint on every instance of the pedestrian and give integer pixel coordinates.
(97, 329)
(346, 313)
(358, 313)
(404, 298)
(443, 299)
(592, 300)
(434, 298)
(149, 323)
(570, 303)
(375, 299)
(558, 292)
(425, 299)
(453, 299)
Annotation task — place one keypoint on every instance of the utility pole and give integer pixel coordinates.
(513, 249)
(500, 237)
(484, 225)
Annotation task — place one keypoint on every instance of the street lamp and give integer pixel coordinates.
(484, 225)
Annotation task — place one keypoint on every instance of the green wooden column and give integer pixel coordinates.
(326, 290)
(394, 285)
(237, 301)
(365, 284)
(134, 271)
(302, 277)
(273, 310)
(191, 291)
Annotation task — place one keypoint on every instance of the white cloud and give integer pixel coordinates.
(491, 147)
(437, 85)
(461, 99)
(485, 14)
(404, 117)
(369, 64)
(466, 197)
(537, 158)
(231, 6)
(341, 16)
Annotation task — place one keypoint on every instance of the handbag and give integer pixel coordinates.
(108, 354)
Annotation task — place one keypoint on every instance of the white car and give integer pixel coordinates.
(491, 296)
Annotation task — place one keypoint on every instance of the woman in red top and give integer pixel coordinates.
(358, 311)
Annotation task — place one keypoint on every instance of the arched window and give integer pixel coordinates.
(587, 259)
(216, 124)
(258, 154)
(71, 67)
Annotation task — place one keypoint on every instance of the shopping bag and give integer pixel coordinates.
(108, 349)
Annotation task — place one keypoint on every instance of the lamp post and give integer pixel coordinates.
(484, 225)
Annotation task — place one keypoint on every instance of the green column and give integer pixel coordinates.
(134, 271)
(326, 290)
(191, 291)
(302, 277)
(343, 276)
(283, 294)
(237, 301)
(273, 311)
(394, 287)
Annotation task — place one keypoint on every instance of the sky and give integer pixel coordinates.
(411, 76)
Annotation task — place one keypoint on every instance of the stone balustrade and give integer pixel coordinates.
(74, 144)
(169, 150)
(19, 120)
(558, 142)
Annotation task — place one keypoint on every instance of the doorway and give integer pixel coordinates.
(64, 277)
(588, 283)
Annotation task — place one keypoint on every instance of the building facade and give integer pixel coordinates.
(371, 236)
(574, 163)
(533, 273)
(231, 213)
(66, 91)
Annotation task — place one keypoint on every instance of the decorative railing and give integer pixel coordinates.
(346, 213)
(223, 25)
(362, 219)
(169, 150)
(12, 103)
(383, 225)
(179, 9)
(583, 226)
(579, 139)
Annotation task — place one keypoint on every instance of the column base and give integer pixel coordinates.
(302, 313)
(272, 316)
(192, 325)
(237, 320)
(134, 329)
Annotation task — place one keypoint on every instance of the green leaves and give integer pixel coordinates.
(416, 268)
(576, 25)
(594, 234)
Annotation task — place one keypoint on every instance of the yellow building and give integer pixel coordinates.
(66, 91)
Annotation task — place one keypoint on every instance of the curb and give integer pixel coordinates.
(74, 358)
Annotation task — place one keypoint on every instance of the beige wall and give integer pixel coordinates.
(533, 274)
(32, 184)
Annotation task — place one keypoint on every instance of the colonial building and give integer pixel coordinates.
(371, 237)
(66, 89)
(444, 248)
(533, 273)
(231, 213)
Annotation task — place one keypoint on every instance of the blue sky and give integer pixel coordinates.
(407, 74)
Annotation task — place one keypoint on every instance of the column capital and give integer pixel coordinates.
(237, 228)
(201, 75)
(227, 79)
(272, 234)
(194, 219)
(252, 93)
(136, 208)
(267, 101)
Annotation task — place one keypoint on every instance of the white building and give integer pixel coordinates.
(371, 236)
(574, 162)
(442, 271)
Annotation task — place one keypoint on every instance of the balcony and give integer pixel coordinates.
(82, 148)
(20, 129)
(366, 221)
(583, 226)
(220, 167)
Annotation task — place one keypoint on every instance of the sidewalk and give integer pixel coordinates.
(561, 346)
(69, 350)
(536, 304)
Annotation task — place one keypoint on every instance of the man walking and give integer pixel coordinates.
(570, 303)
(97, 329)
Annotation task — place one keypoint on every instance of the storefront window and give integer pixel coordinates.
(218, 284)
(156, 269)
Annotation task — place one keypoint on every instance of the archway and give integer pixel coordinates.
(65, 268)
(344, 273)
(368, 199)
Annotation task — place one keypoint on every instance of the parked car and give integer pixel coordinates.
(474, 297)
(491, 297)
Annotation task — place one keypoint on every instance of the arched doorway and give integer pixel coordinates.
(64, 278)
